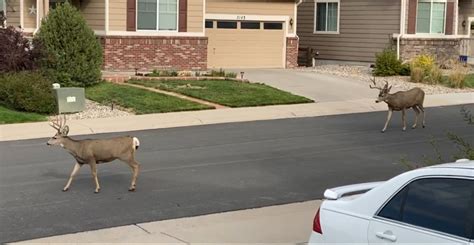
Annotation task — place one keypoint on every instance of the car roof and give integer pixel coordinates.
(463, 163)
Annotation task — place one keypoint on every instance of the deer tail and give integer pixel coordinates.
(136, 143)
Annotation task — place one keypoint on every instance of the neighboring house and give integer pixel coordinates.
(355, 30)
(180, 34)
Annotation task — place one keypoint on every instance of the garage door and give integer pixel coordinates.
(245, 44)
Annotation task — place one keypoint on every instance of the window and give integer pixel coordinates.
(249, 25)
(3, 11)
(161, 15)
(430, 17)
(326, 16)
(209, 24)
(440, 204)
(227, 24)
(272, 26)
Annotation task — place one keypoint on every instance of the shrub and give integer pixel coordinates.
(27, 91)
(405, 70)
(424, 69)
(16, 52)
(458, 75)
(74, 52)
(387, 64)
(417, 75)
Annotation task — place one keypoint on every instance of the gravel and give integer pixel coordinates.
(363, 74)
(96, 110)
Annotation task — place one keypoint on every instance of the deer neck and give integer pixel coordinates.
(70, 145)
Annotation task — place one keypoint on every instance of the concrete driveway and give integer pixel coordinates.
(319, 87)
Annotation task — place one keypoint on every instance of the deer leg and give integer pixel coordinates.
(73, 173)
(422, 109)
(416, 117)
(135, 166)
(404, 120)
(93, 166)
(388, 119)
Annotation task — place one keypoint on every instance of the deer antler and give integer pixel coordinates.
(375, 84)
(59, 123)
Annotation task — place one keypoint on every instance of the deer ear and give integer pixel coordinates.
(389, 88)
(65, 131)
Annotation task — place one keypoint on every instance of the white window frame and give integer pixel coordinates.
(158, 18)
(338, 16)
(431, 17)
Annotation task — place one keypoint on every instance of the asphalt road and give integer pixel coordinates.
(207, 169)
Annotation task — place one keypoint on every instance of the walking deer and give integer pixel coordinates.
(95, 151)
(400, 101)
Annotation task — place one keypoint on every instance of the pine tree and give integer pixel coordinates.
(74, 53)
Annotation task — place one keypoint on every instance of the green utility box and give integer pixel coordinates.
(70, 100)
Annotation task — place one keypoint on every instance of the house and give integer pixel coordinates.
(355, 30)
(180, 34)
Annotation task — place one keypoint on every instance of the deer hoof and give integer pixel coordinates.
(404, 129)
(96, 191)
(65, 189)
(424, 126)
(131, 189)
(382, 131)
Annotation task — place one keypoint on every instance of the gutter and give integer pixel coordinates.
(402, 26)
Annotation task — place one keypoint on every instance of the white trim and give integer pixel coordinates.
(107, 16)
(203, 16)
(22, 19)
(152, 33)
(37, 16)
(338, 16)
(240, 17)
(100, 33)
(432, 36)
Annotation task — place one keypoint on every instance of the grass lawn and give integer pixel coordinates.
(469, 81)
(10, 116)
(141, 101)
(228, 93)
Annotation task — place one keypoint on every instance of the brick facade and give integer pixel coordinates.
(125, 53)
(442, 49)
(292, 52)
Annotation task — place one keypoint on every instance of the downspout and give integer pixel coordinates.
(402, 26)
(22, 19)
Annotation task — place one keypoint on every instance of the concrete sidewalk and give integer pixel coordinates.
(285, 224)
(180, 119)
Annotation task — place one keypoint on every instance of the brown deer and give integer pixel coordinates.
(400, 101)
(93, 152)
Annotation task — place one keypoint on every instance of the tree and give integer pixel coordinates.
(74, 54)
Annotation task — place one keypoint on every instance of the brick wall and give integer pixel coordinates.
(292, 52)
(442, 49)
(124, 53)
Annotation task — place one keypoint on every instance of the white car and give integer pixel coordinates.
(427, 205)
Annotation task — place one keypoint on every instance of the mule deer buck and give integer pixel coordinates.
(93, 152)
(400, 101)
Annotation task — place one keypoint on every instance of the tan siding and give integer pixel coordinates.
(118, 15)
(29, 19)
(466, 10)
(252, 7)
(195, 15)
(13, 13)
(94, 13)
(365, 28)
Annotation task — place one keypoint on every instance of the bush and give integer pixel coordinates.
(457, 78)
(405, 70)
(417, 75)
(27, 91)
(16, 52)
(387, 64)
(424, 69)
(74, 52)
